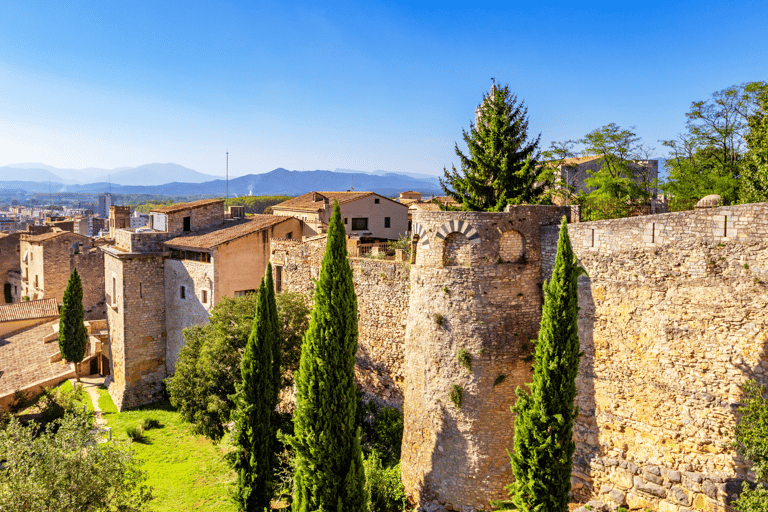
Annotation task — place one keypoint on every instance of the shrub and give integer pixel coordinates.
(384, 486)
(438, 318)
(381, 430)
(150, 423)
(465, 359)
(456, 395)
(66, 470)
(135, 433)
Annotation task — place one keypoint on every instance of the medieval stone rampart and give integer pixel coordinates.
(382, 289)
(674, 318)
(475, 304)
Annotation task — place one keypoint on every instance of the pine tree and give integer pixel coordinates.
(254, 403)
(329, 467)
(501, 167)
(73, 335)
(542, 458)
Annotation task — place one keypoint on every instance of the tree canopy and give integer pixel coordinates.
(501, 167)
(622, 173)
(209, 362)
(707, 157)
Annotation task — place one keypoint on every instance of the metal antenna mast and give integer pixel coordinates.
(227, 177)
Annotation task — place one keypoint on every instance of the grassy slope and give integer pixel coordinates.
(185, 470)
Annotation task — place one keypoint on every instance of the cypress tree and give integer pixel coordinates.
(277, 341)
(73, 335)
(253, 414)
(542, 458)
(329, 466)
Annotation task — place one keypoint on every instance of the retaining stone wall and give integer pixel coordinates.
(382, 289)
(674, 317)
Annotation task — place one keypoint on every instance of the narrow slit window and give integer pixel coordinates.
(183, 292)
(204, 297)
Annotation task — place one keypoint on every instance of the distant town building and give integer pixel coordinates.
(48, 259)
(364, 214)
(105, 201)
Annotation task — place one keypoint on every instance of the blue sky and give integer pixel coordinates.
(356, 85)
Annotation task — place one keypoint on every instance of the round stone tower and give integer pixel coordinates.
(475, 304)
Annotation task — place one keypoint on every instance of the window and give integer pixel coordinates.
(187, 223)
(141, 295)
(345, 220)
(278, 278)
(376, 200)
(386, 222)
(289, 236)
(183, 292)
(240, 293)
(359, 224)
(114, 291)
(37, 285)
(204, 296)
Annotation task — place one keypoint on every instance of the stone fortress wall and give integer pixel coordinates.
(673, 319)
(382, 289)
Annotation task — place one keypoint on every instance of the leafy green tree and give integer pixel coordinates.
(63, 469)
(543, 452)
(73, 335)
(622, 175)
(329, 466)
(751, 442)
(255, 403)
(754, 176)
(706, 159)
(208, 365)
(501, 166)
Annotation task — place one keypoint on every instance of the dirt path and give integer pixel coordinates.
(91, 384)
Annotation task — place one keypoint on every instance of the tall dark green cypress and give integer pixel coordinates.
(542, 458)
(277, 341)
(254, 402)
(329, 465)
(73, 335)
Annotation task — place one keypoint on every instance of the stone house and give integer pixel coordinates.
(574, 171)
(364, 213)
(48, 259)
(167, 277)
(10, 259)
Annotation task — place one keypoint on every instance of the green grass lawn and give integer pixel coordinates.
(185, 470)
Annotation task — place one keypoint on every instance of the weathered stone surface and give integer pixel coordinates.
(649, 487)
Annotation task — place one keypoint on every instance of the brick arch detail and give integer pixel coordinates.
(459, 226)
(419, 230)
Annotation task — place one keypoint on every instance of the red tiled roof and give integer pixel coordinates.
(52, 234)
(186, 206)
(29, 310)
(305, 203)
(210, 238)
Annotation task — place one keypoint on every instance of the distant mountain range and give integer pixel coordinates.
(173, 179)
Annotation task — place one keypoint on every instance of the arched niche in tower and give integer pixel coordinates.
(511, 246)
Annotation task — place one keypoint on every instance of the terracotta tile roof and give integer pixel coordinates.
(305, 203)
(186, 206)
(210, 238)
(29, 310)
(410, 192)
(52, 234)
